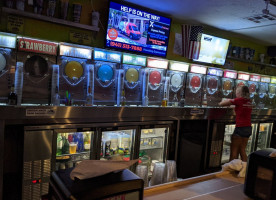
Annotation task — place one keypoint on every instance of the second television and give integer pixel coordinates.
(135, 30)
(213, 49)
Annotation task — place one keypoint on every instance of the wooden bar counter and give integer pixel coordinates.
(216, 186)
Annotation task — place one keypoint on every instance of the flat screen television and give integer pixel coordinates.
(212, 50)
(135, 30)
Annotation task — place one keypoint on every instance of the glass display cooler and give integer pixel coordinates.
(220, 141)
(153, 146)
(105, 79)
(270, 103)
(212, 87)
(264, 136)
(229, 129)
(117, 143)
(131, 80)
(176, 83)
(228, 83)
(7, 66)
(153, 82)
(194, 85)
(263, 92)
(73, 146)
(253, 85)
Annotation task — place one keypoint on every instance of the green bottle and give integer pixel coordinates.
(65, 148)
(59, 145)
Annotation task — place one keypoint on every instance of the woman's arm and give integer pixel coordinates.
(226, 102)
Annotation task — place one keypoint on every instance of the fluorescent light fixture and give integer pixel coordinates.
(179, 66)
(215, 72)
(162, 64)
(255, 77)
(243, 76)
(230, 74)
(66, 50)
(198, 69)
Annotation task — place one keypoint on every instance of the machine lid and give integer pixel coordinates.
(195, 81)
(176, 80)
(227, 85)
(105, 73)
(155, 77)
(132, 75)
(36, 66)
(212, 83)
(252, 88)
(3, 62)
(73, 70)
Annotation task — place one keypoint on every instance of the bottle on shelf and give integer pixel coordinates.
(89, 97)
(182, 99)
(65, 147)
(56, 98)
(175, 102)
(123, 98)
(12, 98)
(165, 100)
(59, 144)
(86, 142)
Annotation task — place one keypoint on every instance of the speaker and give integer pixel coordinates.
(271, 51)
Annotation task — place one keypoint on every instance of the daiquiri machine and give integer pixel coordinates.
(176, 85)
(34, 70)
(7, 64)
(253, 85)
(130, 80)
(263, 91)
(270, 103)
(242, 79)
(106, 64)
(154, 81)
(75, 74)
(228, 83)
(212, 87)
(194, 85)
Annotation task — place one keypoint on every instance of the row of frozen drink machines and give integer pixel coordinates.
(49, 73)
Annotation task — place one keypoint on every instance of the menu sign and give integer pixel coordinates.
(37, 46)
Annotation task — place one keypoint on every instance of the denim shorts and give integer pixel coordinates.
(243, 131)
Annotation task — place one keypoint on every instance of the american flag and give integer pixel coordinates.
(191, 36)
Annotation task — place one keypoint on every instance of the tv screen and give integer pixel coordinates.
(135, 30)
(212, 49)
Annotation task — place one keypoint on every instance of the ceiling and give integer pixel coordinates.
(243, 17)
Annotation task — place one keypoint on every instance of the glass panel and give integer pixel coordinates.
(264, 136)
(251, 140)
(72, 148)
(229, 129)
(117, 145)
(152, 145)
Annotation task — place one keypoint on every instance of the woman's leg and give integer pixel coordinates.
(236, 142)
(243, 148)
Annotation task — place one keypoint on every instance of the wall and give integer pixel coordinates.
(54, 32)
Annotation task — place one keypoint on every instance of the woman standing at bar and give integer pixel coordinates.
(243, 129)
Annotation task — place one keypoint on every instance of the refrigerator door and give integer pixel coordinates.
(264, 136)
(153, 146)
(251, 141)
(229, 129)
(73, 146)
(117, 144)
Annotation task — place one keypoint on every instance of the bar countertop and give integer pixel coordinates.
(216, 186)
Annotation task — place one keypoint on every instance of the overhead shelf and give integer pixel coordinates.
(250, 61)
(48, 19)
